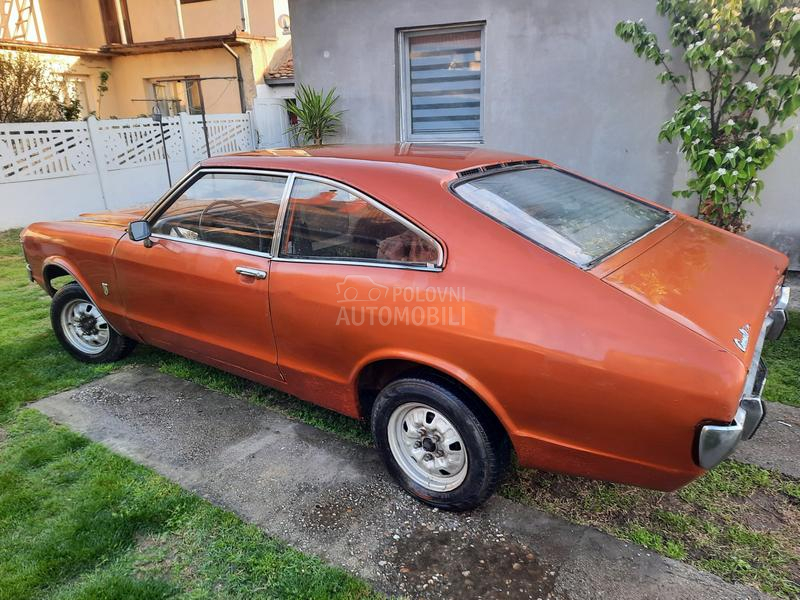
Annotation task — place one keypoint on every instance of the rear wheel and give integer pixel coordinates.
(438, 448)
(82, 329)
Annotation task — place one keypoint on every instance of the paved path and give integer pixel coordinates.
(776, 444)
(332, 498)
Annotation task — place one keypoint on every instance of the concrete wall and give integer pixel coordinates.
(153, 20)
(558, 84)
(223, 16)
(157, 19)
(73, 23)
(131, 76)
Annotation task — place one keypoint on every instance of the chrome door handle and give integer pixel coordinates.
(248, 272)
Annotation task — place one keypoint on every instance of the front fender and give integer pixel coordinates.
(71, 270)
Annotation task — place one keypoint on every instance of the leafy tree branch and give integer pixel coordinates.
(743, 64)
(31, 92)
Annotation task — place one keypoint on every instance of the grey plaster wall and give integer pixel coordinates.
(558, 84)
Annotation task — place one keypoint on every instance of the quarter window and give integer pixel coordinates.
(442, 83)
(233, 210)
(324, 221)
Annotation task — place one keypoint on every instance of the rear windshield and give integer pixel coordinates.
(578, 220)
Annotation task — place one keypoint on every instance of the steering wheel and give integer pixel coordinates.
(242, 214)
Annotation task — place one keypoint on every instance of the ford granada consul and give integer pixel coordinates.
(467, 303)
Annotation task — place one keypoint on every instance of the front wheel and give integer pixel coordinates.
(438, 448)
(83, 331)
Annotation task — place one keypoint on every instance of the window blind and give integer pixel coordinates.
(445, 77)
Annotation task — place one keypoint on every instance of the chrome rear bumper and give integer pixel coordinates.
(716, 442)
(777, 317)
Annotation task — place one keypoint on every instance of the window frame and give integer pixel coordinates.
(163, 204)
(404, 84)
(277, 239)
(193, 177)
(188, 83)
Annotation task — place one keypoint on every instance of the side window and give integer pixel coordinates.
(229, 209)
(325, 221)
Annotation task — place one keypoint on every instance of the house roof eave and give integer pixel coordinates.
(43, 48)
(236, 38)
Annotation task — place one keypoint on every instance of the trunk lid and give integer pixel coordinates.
(715, 283)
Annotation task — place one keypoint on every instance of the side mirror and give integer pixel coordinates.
(139, 230)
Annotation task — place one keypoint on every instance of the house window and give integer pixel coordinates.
(441, 84)
(167, 98)
(193, 103)
(177, 95)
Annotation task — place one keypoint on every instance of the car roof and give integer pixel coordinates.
(444, 160)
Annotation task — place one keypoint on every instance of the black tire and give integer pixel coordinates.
(486, 444)
(118, 346)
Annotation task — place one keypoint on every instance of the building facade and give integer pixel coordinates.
(541, 77)
(121, 58)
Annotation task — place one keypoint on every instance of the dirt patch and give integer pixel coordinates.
(767, 513)
(155, 555)
(461, 566)
(738, 522)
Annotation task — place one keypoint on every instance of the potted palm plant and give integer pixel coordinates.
(316, 117)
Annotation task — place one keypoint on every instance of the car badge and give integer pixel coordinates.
(741, 343)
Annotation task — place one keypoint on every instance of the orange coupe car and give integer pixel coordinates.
(464, 301)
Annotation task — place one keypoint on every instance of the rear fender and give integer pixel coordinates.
(445, 367)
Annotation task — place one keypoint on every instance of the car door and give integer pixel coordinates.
(334, 285)
(199, 285)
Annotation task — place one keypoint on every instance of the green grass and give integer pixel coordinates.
(783, 361)
(738, 521)
(77, 521)
(33, 365)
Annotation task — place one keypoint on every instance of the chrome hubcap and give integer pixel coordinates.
(84, 327)
(427, 447)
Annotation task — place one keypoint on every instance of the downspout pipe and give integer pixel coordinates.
(179, 15)
(245, 13)
(239, 78)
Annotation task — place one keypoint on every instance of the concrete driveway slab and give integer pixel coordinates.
(332, 498)
(776, 444)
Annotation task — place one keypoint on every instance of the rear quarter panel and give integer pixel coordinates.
(585, 379)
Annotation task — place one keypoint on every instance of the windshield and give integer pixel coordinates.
(581, 221)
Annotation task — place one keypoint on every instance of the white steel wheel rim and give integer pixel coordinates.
(84, 326)
(427, 447)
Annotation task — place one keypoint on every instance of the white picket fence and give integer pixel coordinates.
(57, 170)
